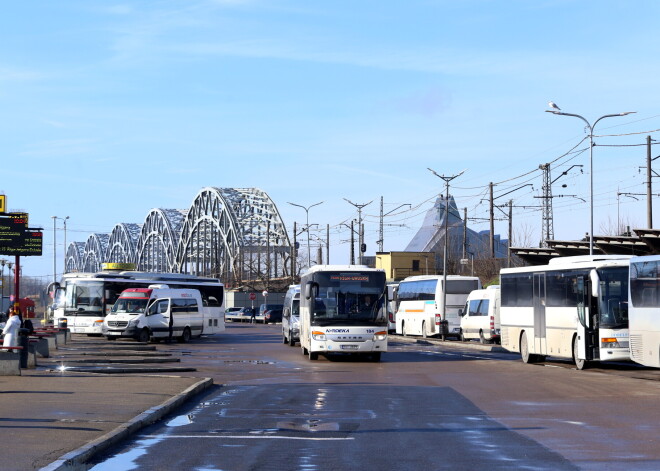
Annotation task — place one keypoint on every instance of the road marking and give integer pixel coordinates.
(259, 437)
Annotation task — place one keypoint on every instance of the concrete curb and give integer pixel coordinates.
(76, 459)
(451, 344)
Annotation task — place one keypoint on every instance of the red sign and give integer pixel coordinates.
(253, 296)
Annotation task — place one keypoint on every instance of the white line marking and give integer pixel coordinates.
(260, 437)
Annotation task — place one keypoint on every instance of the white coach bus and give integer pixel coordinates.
(82, 300)
(644, 310)
(421, 300)
(343, 310)
(574, 307)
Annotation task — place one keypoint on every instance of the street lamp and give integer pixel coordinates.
(591, 127)
(446, 179)
(360, 232)
(65, 247)
(307, 208)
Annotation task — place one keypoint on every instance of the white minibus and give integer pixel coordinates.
(480, 318)
(421, 304)
(158, 312)
(291, 316)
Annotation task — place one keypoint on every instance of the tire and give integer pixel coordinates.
(313, 356)
(292, 342)
(143, 336)
(482, 339)
(424, 329)
(375, 357)
(303, 350)
(579, 364)
(185, 337)
(111, 337)
(403, 329)
(284, 339)
(461, 336)
(524, 350)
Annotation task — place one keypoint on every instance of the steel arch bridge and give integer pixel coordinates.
(235, 234)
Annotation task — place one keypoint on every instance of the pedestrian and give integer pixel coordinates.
(253, 317)
(171, 328)
(10, 330)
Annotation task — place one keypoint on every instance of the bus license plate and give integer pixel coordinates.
(349, 347)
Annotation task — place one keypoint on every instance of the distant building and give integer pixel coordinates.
(399, 265)
(431, 236)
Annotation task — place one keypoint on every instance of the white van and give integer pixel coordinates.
(480, 318)
(148, 313)
(291, 316)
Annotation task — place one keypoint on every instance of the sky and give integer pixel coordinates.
(109, 109)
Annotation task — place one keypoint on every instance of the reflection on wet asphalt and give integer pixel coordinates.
(319, 427)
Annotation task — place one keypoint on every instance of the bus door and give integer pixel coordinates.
(587, 330)
(539, 314)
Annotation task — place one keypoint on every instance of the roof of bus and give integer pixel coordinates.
(137, 275)
(317, 268)
(582, 261)
(439, 277)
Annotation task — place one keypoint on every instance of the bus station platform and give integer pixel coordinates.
(55, 420)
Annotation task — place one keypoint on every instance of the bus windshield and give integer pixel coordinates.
(349, 298)
(130, 305)
(84, 297)
(613, 297)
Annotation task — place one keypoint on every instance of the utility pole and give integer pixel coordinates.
(492, 222)
(380, 232)
(464, 232)
(508, 253)
(360, 236)
(54, 248)
(352, 244)
(546, 214)
(327, 243)
(649, 204)
(447, 180)
(294, 254)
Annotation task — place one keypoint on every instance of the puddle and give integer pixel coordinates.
(126, 461)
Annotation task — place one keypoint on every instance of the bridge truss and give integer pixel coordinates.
(235, 234)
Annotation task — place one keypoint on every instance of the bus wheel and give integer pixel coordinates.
(143, 336)
(524, 349)
(185, 337)
(423, 329)
(375, 357)
(403, 329)
(292, 342)
(303, 350)
(284, 339)
(579, 364)
(313, 356)
(481, 337)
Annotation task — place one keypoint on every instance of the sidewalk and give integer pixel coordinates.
(46, 415)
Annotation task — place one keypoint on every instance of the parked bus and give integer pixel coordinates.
(421, 304)
(82, 300)
(574, 307)
(291, 316)
(644, 310)
(392, 305)
(343, 310)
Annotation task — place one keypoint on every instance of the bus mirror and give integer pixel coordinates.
(460, 311)
(595, 282)
(311, 290)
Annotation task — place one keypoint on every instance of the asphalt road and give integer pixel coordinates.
(422, 407)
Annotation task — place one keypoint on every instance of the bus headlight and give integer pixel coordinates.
(609, 342)
(380, 336)
(316, 335)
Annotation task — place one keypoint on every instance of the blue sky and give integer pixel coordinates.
(109, 109)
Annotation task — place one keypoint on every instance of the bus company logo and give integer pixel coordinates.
(337, 331)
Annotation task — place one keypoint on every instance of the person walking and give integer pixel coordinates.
(10, 330)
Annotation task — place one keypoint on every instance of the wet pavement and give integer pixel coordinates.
(56, 409)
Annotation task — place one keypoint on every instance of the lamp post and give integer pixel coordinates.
(447, 179)
(307, 208)
(360, 231)
(54, 248)
(65, 247)
(591, 127)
